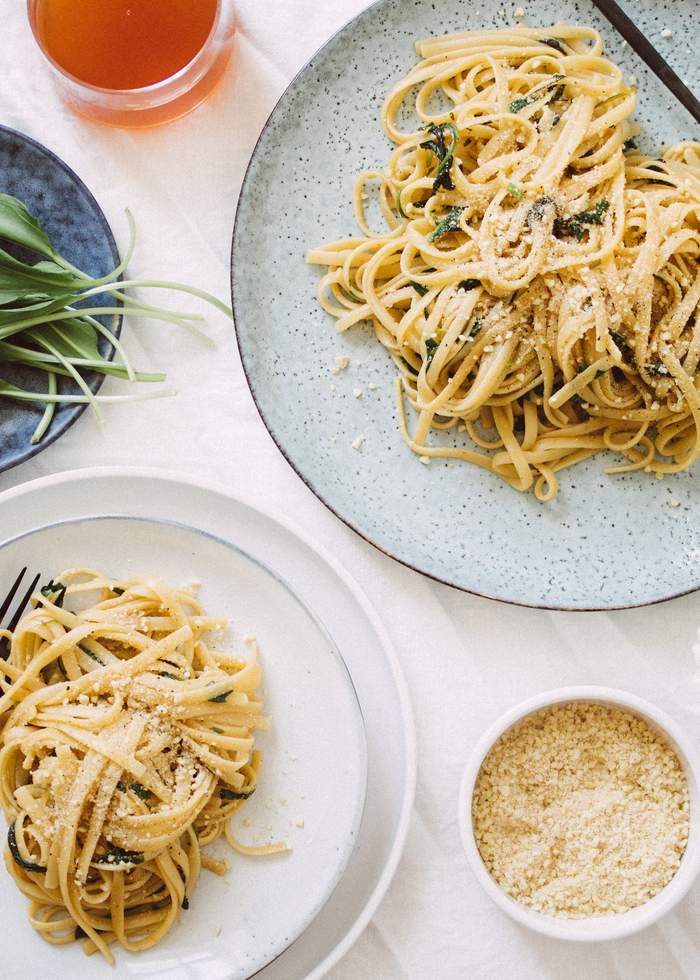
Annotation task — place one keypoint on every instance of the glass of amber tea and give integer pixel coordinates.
(134, 62)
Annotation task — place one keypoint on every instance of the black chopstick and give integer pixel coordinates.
(648, 53)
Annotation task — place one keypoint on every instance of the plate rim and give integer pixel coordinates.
(348, 26)
(409, 776)
(117, 319)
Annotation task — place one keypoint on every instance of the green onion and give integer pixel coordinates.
(450, 223)
(399, 206)
(230, 794)
(16, 856)
(54, 588)
(444, 154)
(555, 43)
(116, 855)
(537, 93)
(47, 322)
(221, 697)
(517, 104)
(574, 226)
(430, 347)
(621, 341)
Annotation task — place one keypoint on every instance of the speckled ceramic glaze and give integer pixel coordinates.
(606, 541)
(78, 229)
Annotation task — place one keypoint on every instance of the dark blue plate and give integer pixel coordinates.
(77, 227)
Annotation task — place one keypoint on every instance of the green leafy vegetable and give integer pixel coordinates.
(421, 290)
(443, 152)
(474, 328)
(54, 588)
(468, 284)
(116, 856)
(140, 791)
(516, 192)
(537, 93)
(620, 339)
(658, 369)
(555, 43)
(231, 794)
(448, 224)
(49, 318)
(90, 654)
(575, 225)
(16, 856)
(555, 97)
(430, 347)
(658, 170)
(399, 206)
(221, 697)
(539, 209)
(17, 225)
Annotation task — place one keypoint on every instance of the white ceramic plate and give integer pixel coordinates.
(315, 758)
(315, 771)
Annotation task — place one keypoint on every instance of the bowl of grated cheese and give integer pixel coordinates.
(578, 812)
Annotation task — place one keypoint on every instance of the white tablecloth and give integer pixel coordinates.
(466, 659)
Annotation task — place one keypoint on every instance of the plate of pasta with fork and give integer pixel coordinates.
(184, 750)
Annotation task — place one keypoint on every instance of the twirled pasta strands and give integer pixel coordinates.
(126, 743)
(540, 277)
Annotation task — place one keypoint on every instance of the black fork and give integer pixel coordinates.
(19, 610)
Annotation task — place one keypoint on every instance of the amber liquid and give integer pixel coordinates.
(124, 44)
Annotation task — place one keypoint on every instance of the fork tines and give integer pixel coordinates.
(19, 611)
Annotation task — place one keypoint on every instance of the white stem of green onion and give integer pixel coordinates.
(76, 375)
(36, 321)
(49, 411)
(61, 399)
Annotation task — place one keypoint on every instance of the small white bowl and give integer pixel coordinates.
(602, 927)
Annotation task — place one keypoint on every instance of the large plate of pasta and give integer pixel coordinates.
(488, 365)
(166, 696)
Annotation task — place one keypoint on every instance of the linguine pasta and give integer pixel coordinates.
(538, 281)
(126, 744)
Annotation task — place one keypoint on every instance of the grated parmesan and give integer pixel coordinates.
(581, 810)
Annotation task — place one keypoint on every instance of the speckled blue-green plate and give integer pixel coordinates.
(78, 229)
(606, 541)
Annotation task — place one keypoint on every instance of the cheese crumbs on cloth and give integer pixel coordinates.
(581, 810)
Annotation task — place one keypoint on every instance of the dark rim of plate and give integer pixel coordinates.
(57, 428)
(347, 28)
